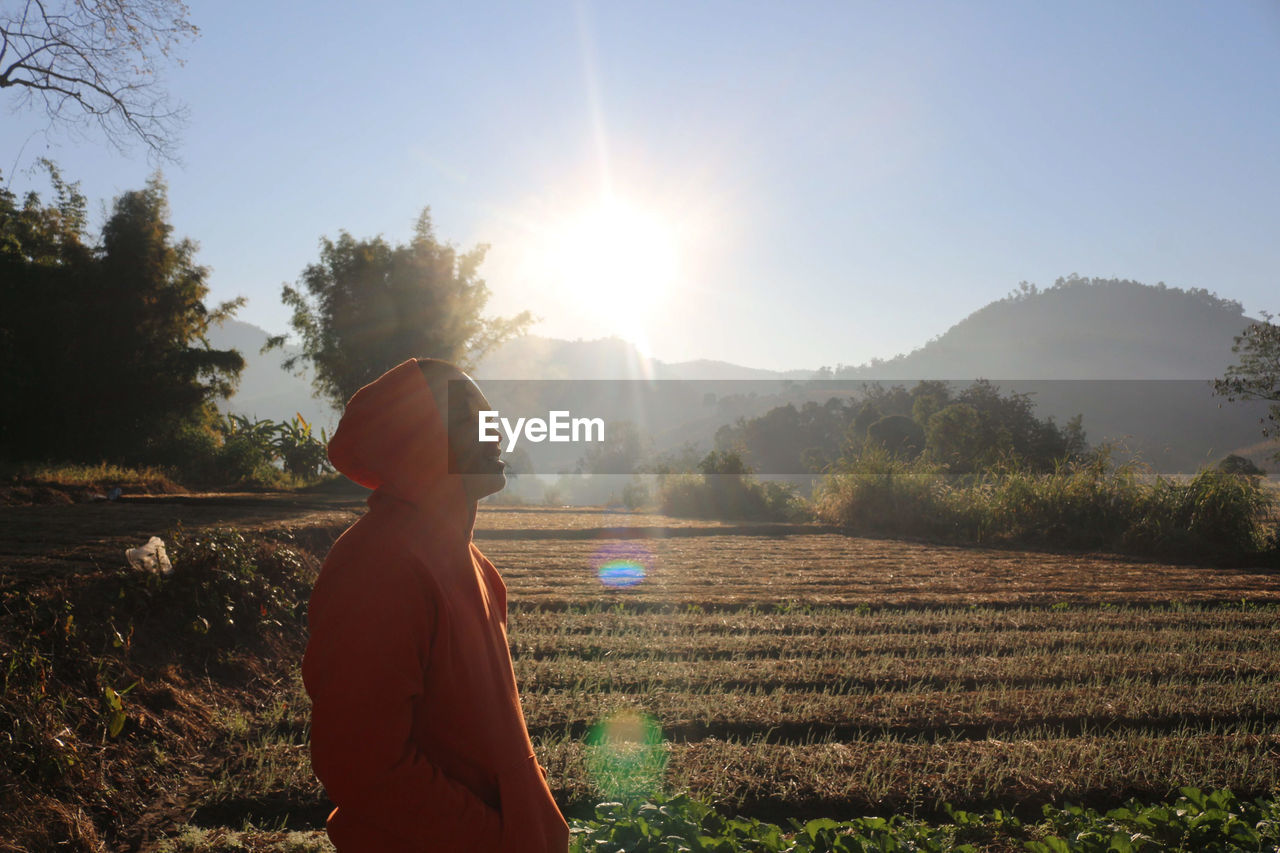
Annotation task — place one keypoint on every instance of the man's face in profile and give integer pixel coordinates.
(478, 463)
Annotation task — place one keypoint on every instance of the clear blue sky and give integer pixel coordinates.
(818, 182)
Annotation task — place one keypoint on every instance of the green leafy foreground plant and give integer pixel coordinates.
(1196, 821)
(681, 823)
(1213, 821)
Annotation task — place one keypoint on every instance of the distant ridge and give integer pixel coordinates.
(1080, 328)
(536, 357)
(267, 391)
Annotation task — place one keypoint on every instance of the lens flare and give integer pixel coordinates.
(622, 564)
(621, 573)
(625, 755)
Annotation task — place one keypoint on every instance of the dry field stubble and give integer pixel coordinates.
(795, 671)
(792, 671)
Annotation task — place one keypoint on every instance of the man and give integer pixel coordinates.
(416, 727)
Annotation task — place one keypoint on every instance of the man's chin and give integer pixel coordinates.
(483, 485)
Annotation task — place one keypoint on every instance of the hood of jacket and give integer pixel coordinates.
(392, 439)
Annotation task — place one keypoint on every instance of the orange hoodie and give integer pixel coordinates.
(416, 727)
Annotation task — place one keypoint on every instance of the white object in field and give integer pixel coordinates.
(150, 557)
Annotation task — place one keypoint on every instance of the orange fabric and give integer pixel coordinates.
(416, 728)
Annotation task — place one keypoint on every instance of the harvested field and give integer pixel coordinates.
(787, 670)
(549, 559)
(798, 672)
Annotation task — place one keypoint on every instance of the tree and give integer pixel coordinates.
(43, 256)
(897, 434)
(1240, 466)
(97, 61)
(148, 310)
(1257, 376)
(929, 396)
(103, 347)
(954, 438)
(620, 454)
(367, 306)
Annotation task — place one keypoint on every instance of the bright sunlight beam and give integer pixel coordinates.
(615, 264)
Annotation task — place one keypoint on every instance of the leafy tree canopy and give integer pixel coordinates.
(368, 305)
(1257, 375)
(967, 431)
(102, 347)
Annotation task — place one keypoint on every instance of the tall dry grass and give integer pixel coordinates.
(1089, 505)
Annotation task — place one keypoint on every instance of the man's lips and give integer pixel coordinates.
(487, 465)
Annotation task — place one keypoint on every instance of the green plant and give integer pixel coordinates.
(1214, 821)
(298, 450)
(1196, 820)
(114, 715)
(225, 584)
(724, 488)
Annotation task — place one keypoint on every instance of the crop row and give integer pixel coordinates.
(741, 571)
(718, 647)
(831, 776)
(842, 779)
(784, 715)
(840, 674)
(778, 620)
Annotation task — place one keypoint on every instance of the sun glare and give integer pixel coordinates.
(615, 264)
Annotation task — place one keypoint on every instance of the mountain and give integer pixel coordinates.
(535, 357)
(266, 390)
(1080, 328)
(1135, 359)
(1138, 358)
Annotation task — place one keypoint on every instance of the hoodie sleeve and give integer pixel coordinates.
(363, 669)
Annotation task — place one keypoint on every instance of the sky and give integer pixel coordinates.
(778, 185)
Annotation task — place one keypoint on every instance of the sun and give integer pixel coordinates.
(614, 264)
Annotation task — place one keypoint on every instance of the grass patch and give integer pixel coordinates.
(25, 484)
(194, 839)
(1093, 505)
(103, 475)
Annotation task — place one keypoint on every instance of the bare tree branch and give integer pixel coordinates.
(98, 61)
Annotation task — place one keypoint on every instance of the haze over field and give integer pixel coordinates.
(1134, 359)
(776, 186)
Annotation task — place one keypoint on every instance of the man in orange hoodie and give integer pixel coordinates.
(416, 727)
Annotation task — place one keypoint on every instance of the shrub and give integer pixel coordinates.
(877, 491)
(1234, 464)
(235, 451)
(725, 489)
(1083, 505)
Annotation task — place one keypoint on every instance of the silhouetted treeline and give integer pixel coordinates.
(101, 341)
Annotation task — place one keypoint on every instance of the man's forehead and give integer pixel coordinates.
(458, 393)
(465, 394)
(447, 382)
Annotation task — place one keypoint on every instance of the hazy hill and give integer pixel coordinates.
(267, 391)
(1081, 329)
(535, 357)
(1099, 330)
(1138, 358)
